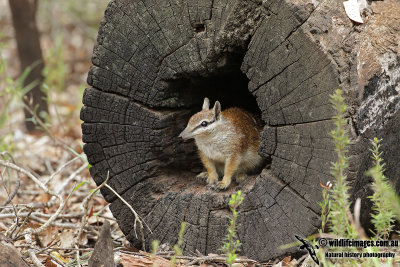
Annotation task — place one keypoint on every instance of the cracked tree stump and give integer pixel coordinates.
(155, 61)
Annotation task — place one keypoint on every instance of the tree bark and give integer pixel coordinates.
(155, 61)
(9, 255)
(30, 56)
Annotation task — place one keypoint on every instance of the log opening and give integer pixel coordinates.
(226, 84)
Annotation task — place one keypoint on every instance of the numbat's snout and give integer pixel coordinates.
(227, 141)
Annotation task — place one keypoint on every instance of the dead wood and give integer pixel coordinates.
(155, 61)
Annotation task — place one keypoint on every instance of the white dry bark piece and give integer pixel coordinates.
(352, 9)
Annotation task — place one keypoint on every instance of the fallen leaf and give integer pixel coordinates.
(131, 249)
(144, 261)
(58, 256)
(50, 263)
(48, 235)
(44, 197)
(91, 212)
(288, 262)
(352, 9)
(67, 239)
(3, 226)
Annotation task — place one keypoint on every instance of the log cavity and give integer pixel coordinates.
(225, 83)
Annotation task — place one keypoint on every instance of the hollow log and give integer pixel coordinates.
(155, 61)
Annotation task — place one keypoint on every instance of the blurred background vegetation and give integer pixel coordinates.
(67, 31)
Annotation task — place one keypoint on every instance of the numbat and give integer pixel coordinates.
(227, 141)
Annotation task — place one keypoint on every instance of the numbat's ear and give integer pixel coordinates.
(206, 104)
(217, 110)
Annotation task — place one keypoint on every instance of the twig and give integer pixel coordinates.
(42, 124)
(48, 166)
(54, 248)
(103, 209)
(15, 215)
(75, 173)
(60, 169)
(31, 252)
(85, 257)
(28, 192)
(66, 182)
(63, 225)
(39, 214)
(24, 222)
(30, 206)
(357, 224)
(198, 253)
(78, 259)
(46, 248)
(105, 217)
(12, 195)
(137, 217)
(44, 188)
(85, 206)
(30, 175)
(216, 258)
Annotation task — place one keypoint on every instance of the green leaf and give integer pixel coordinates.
(79, 185)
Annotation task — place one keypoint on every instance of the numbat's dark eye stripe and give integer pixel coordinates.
(201, 125)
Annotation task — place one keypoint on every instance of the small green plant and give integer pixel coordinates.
(12, 89)
(6, 143)
(335, 201)
(154, 247)
(339, 208)
(232, 244)
(178, 245)
(325, 205)
(55, 70)
(385, 201)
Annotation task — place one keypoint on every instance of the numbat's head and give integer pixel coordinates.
(203, 122)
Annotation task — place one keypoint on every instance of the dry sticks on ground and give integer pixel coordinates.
(30, 232)
(24, 213)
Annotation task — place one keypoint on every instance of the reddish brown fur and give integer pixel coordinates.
(246, 124)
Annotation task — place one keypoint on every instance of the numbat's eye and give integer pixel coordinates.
(204, 123)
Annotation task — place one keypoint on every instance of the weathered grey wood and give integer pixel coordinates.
(9, 255)
(103, 254)
(155, 61)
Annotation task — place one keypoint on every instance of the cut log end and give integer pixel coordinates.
(154, 63)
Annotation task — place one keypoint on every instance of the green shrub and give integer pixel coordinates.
(336, 206)
(232, 243)
(339, 223)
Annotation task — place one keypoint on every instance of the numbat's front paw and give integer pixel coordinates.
(222, 185)
(212, 179)
(202, 176)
